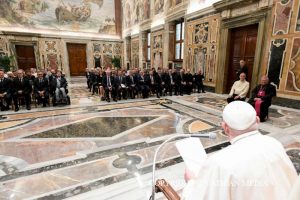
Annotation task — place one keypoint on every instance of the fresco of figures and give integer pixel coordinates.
(95, 16)
(135, 11)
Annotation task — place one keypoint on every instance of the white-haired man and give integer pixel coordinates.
(254, 167)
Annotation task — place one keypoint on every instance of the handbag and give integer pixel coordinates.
(163, 186)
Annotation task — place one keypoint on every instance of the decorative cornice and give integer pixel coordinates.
(201, 13)
(228, 4)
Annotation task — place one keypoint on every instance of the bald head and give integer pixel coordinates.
(264, 80)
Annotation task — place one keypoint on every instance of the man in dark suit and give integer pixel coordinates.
(261, 98)
(22, 87)
(122, 87)
(189, 81)
(182, 87)
(109, 84)
(177, 82)
(5, 92)
(169, 81)
(142, 83)
(243, 69)
(132, 84)
(198, 79)
(41, 89)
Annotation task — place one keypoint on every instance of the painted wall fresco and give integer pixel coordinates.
(103, 52)
(283, 12)
(298, 20)
(50, 52)
(282, 54)
(202, 41)
(135, 11)
(4, 49)
(135, 52)
(157, 49)
(95, 16)
(293, 79)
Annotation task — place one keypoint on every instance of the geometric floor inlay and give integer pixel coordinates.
(95, 127)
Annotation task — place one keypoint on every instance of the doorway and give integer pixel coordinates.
(242, 47)
(77, 59)
(25, 56)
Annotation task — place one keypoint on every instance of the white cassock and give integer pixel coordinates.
(254, 167)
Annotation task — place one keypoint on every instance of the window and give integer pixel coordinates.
(179, 40)
(148, 46)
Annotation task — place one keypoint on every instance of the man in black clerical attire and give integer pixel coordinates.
(169, 82)
(159, 82)
(21, 87)
(182, 87)
(41, 89)
(177, 80)
(5, 92)
(261, 97)
(243, 69)
(189, 81)
(108, 83)
(132, 84)
(198, 79)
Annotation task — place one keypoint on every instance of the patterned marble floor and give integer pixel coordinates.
(95, 150)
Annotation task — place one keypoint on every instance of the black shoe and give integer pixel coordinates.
(115, 100)
(2, 109)
(44, 105)
(108, 100)
(28, 108)
(16, 109)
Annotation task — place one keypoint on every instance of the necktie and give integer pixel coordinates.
(40, 80)
(108, 81)
(132, 80)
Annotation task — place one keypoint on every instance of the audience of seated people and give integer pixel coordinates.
(122, 84)
(21, 87)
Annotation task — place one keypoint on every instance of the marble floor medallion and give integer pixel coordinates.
(95, 127)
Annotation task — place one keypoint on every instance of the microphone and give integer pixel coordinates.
(210, 135)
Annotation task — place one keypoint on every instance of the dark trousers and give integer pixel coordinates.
(42, 99)
(27, 98)
(122, 92)
(199, 87)
(95, 86)
(169, 89)
(178, 89)
(112, 91)
(189, 88)
(5, 102)
(132, 90)
(231, 99)
(144, 90)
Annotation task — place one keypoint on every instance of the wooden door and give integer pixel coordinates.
(242, 47)
(77, 59)
(25, 57)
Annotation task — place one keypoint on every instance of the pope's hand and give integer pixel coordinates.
(188, 175)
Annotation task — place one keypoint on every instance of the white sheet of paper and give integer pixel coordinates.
(193, 153)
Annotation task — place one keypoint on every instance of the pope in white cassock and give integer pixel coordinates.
(254, 167)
